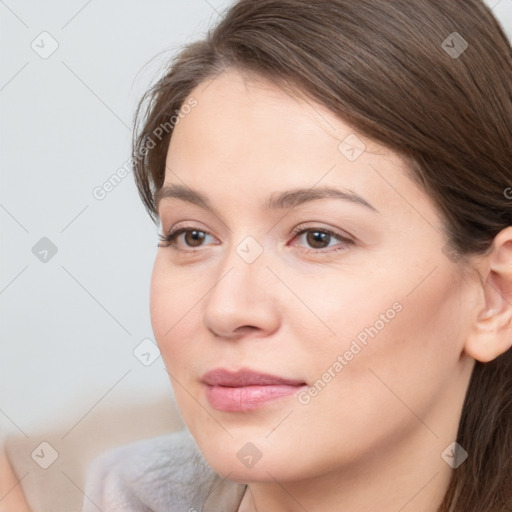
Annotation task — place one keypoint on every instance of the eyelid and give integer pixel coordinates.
(344, 239)
(175, 232)
(344, 236)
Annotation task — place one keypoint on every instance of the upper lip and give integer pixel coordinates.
(245, 377)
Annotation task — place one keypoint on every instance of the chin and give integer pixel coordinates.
(246, 462)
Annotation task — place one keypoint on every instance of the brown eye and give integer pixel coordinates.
(318, 239)
(193, 238)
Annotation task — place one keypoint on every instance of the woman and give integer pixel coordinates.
(332, 294)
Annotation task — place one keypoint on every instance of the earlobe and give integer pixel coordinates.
(487, 314)
(491, 332)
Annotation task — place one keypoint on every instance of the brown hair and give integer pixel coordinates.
(398, 72)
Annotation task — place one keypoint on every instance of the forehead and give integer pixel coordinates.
(234, 99)
(250, 119)
(249, 136)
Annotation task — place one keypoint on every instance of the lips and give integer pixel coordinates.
(241, 378)
(246, 389)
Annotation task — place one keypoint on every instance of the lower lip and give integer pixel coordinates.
(246, 398)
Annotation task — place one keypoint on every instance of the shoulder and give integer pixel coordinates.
(165, 473)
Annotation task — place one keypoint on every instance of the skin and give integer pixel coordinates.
(12, 498)
(372, 438)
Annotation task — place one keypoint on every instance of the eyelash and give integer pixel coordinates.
(170, 238)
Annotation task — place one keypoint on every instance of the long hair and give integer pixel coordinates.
(431, 80)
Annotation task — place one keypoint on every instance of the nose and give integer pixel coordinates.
(243, 299)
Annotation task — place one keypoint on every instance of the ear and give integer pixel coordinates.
(491, 332)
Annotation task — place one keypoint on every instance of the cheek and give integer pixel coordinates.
(373, 391)
(404, 323)
(398, 341)
(172, 311)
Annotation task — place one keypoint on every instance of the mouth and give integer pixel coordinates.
(245, 390)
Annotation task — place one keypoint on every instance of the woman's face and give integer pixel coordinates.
(346, 298)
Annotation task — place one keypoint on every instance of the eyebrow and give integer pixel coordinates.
(278, 200)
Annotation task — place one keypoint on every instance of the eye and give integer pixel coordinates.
(321, 238)
(192, 238)
(318, 239)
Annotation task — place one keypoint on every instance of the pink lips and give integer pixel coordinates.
(245, 389)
